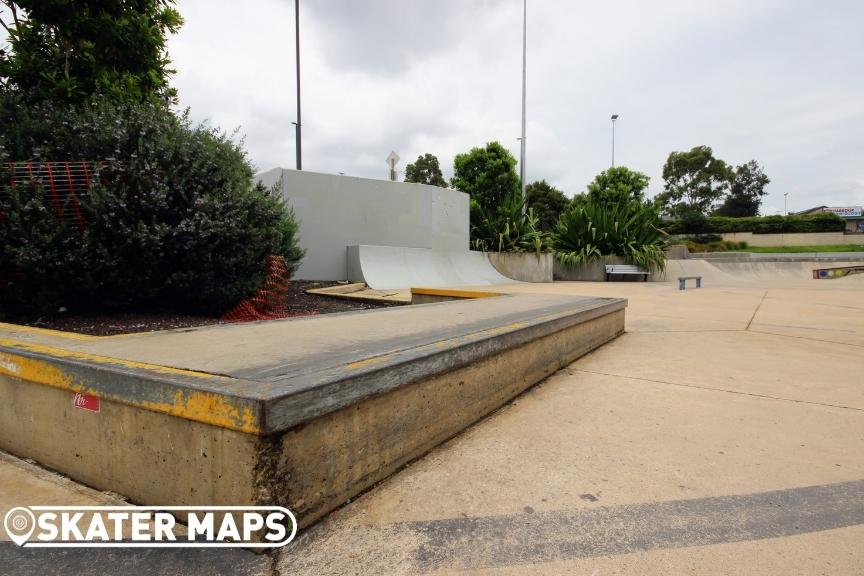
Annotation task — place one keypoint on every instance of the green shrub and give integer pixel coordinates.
(700, 244)
(509, 227)
(591, 231)
(173, 221)
(41, 257)
(821, 222)
(704, 238)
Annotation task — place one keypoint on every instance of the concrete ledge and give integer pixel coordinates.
(306, 432)
(794, 238)
(523, 266)
(756, 258)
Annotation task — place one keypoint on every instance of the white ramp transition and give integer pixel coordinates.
(393, 267)
(756, 273)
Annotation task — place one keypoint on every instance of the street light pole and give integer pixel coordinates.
(785, 203)
(614, 118)
(524, 68)
(298, 123)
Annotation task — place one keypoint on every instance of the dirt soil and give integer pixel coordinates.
(300, 304)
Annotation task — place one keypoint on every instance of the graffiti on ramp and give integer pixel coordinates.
(838, 272)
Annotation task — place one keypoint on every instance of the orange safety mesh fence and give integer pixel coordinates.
(270, 301)
(66, 182)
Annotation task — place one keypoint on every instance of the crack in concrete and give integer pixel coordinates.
(726, 390)
(749, 331)
(756, 311)
(805, 338)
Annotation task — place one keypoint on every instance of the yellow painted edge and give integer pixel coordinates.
(453, 293)
(5, 326)
(207, 407)
(86, 356)
(48, 332)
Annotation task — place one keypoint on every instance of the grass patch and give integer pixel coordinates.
(797, 249)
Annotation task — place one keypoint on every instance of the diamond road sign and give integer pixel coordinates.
(392, 159)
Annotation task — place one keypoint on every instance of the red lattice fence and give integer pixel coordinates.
(271, 300)
(66, 183)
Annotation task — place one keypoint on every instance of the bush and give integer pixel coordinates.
(629, 229)
(700, 244)
(821, 222)
(173, 221)
(42, 258)
(506, 228)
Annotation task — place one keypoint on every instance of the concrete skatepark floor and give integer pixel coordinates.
(721, 434)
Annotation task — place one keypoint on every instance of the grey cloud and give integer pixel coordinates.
(775, 80)
(385, 37)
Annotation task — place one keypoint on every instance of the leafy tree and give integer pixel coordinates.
(547, 202)
(486, 174)
(618, 184)
(745, 192)
(425, 171)
(67, 51)
(579, 200)
(694, 182)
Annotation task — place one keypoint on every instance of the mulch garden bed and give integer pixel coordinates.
(299, 304)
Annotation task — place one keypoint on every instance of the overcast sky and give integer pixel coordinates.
(781, 81)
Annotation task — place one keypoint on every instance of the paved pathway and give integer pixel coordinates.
(723, 433)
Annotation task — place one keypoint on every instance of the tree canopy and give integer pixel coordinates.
(67, 51)
(486, 174)
(745, 191)
(425, 170)
(547, 202)
(617, 185)
(694, 182)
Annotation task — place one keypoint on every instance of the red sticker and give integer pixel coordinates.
(86, 402)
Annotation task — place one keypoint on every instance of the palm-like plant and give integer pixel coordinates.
(509, 228)
(629, 229)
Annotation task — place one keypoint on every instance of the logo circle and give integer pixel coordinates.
(19, 523)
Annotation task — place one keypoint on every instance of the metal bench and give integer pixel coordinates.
(625, 269)
(682, 281)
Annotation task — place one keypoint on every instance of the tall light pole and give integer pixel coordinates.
(785, 203)
(614, 118)
(298, 123)
(524, 68)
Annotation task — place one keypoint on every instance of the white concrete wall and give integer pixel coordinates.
(340, 211)
(794, 239)
(524, 266)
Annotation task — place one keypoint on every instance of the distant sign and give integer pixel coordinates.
(846, 211)
(392, 159)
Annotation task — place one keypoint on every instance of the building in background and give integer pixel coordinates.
(853, 215)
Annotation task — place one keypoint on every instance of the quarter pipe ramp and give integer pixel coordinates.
(394, 267)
